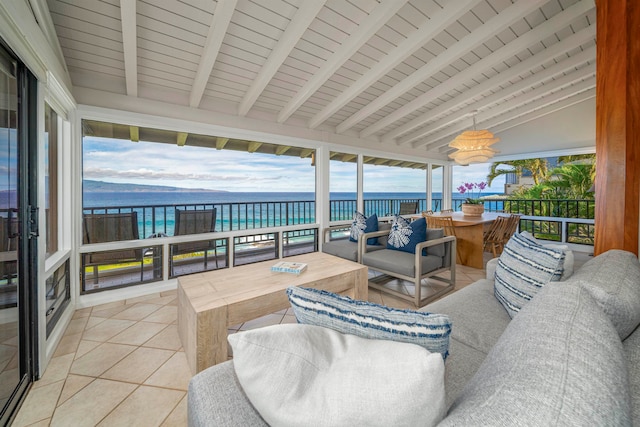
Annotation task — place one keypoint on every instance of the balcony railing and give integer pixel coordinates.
(257, 231)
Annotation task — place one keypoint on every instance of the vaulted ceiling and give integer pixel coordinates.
(392, 73)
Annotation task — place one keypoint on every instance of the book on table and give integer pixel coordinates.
(289, 267)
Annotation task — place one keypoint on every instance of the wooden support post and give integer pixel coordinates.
(617, 126)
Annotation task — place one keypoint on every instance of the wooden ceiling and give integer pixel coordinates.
(389, 73)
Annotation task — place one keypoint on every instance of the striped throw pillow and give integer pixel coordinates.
(524, 267)
(369, 320)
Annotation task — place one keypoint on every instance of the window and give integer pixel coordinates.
(51, 180)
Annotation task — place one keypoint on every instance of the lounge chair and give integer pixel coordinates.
(110, 227)
(194, 222)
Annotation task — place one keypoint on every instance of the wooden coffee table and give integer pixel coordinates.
(208, 303)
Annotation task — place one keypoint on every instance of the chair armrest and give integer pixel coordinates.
(326, 232)
(451, 240)
(362, 241)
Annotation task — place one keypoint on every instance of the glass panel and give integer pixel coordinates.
(437, 175)
(194, 257)
(393, 187)
(343, 184)
(255, 248)
(51, 178)
(299, 242)
(58, 295)
(10, 369)
(119, 268)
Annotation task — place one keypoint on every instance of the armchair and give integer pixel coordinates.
(414, 267)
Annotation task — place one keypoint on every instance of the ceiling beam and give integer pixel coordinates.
(299, 23)
(566, 66)
(134, 133)
(306, 152)
(130, 45)
(217, 30)
(348, 157)
(181, 139)
(376, 19)
(432, 27)
(557, 90)
(43, 17)
(221, 142)
(466, 44)
(253, 146)
(280, 150)
(540, 32)
(494, 82)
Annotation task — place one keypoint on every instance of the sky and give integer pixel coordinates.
(123, 161)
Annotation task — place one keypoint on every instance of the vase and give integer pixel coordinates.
(469, 209)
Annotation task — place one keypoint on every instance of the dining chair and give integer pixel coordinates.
(500, 232)
(446, 211)
(446, 223)
(408, 208)
(427, 213)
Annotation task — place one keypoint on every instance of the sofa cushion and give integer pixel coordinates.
(405, 235)
(559, 362)
(478, 318)
(298, 375)
(613, 279)
(461, 365)
(216, 398)
(631, 347)
(400, 262)
(369, 320)
(569, 258)
(361, 224)
(524, 267)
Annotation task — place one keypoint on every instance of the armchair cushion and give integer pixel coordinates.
(400, 262)
(305, 374)
(405, 235)
(369, 320)
(361, 224)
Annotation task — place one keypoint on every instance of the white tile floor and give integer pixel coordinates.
(122, 364)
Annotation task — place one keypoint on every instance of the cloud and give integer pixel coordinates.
(101, 173)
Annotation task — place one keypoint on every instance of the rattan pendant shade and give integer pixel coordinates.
(473, 146)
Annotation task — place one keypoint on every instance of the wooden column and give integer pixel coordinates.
(617, 125)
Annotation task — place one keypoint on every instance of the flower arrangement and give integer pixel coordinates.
(468, 187)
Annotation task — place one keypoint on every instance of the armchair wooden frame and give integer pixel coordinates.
(419, 275)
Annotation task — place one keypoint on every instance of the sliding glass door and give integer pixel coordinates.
(17, 231)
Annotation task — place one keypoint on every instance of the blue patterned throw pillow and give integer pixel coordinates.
(523, 269)
(361, 224)
(369, 320)
(405, 235)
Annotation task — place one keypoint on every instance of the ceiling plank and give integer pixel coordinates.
(217, 30)
(516, 107)
(130, 45)
(299, 23)
(438, 22)
(496, 81)
(489, 29)
(378, 17)
(181, 138)
(561, 67)
(538, 33)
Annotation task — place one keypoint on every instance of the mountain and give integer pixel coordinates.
(110, 187)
